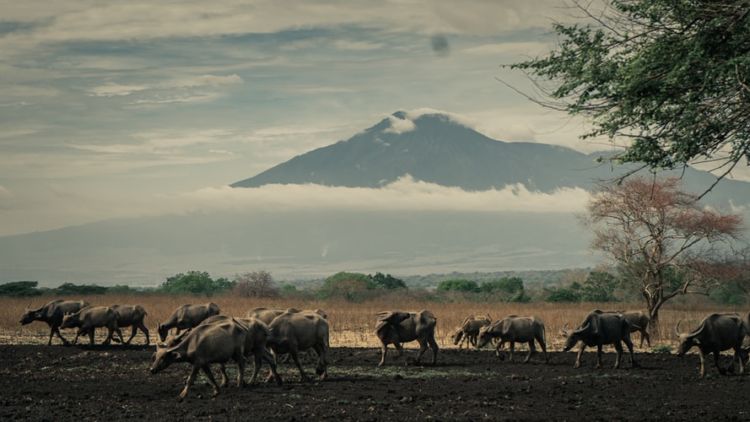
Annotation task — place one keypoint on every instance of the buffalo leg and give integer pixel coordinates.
(91, 332)
(241, 369)
(399, 350)
(78, 334)
(211, 379)
(618, 348)
(738, 358)
(224, 377)
(144, 330)
(322, 368)
(269, 358)
(189, 382)
(532, 349)
(422, 349)
(434, 346)
(722, 371)
(133, 332)
(56, 330)
(629, 344)
(383, 352)
(512, 349)
(703, 363)
(295, 358)
(580, 353)
(599, 356)
(544, 348)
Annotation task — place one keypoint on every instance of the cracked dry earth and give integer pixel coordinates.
(109, 383)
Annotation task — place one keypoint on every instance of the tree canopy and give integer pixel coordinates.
(671, 76)
(659, 237)
(195, 282)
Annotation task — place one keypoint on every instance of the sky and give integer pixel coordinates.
(116, 109)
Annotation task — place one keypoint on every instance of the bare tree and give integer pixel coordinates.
(255, 284)
(653, 232)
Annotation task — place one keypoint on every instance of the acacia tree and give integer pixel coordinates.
(672, 76)
(255, 284)
(653, 232)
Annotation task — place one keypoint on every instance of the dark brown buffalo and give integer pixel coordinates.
(600, 328)
(186, 317)
(396, 327)
(131, 316)
(716, 333)
(53, 313)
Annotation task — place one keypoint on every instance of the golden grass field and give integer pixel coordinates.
(352, 324)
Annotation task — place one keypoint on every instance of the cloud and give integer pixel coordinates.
(165, 89)
(400, 125)
(54, 206)
(356, 45)
(529, 49)
(405, 194)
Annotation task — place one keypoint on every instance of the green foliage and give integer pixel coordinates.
(508, 289)
(195, 282)
(466, 286)
(563, 294)
(670, 75)
(729, 294)
(662, 348)
(387, 281)
(70, 289)
(20, 289)
(599, 287)
(350, 286)
(121, 289)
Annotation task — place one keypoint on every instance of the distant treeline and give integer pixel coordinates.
(576, 286)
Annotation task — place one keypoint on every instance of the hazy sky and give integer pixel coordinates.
(107, 108)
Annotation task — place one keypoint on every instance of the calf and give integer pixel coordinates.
(131, 316)
(515, 329)
(89, 319)
(186, 317)
(470, 330)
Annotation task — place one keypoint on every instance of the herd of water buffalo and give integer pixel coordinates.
(201, 336)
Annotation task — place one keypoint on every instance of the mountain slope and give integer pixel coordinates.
(435, 148)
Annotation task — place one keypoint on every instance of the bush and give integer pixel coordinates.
(729, 294)
(70, 289)
(599, 287)
(349, 286)
(465, 286)
(20, 289)
(195, 282)
(508, 289)
(563, 294)
(387, 281)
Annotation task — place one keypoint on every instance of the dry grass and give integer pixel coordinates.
(352, 324)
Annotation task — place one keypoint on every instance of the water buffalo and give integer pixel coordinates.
(470, 330)
(267, 315)
(187, 316)
(396, 327)
(515, 329)
(203, 345)
(600, 328)
(295, 331)
(256, 343)
(89, 319)
(717, 332)
(52, 313)
(131, 316)
(639, 321)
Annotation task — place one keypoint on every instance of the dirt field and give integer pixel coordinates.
(108, 383)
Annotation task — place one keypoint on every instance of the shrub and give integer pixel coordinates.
(195, 282)
(255, 284)
(70, 289)
(465, 286)
(20, 289)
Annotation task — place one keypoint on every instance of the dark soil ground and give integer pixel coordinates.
(108, 383)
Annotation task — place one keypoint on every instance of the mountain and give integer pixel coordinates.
(435, 148)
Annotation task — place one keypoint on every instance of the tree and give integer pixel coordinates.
(652, 230)
(195, 282)
(565, 294)
(350, 286)
(467, 286)
(672, 76)
(20, 289)
(599, 287)
(255, 284)
(510, 289)
(387, 281)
